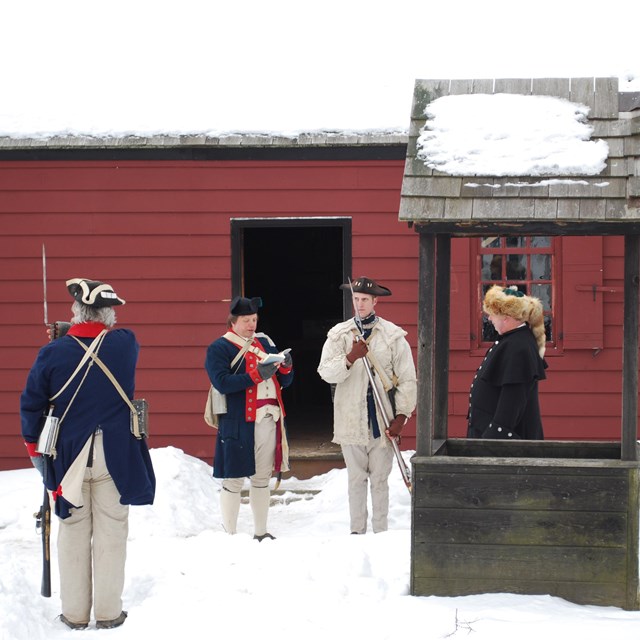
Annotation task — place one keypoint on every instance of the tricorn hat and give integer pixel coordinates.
(93, 293)
(366, 285)
(245, 306)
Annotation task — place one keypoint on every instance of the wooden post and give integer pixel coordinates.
(630, 348)
(426, 342)
(433, 341)
(441, 331)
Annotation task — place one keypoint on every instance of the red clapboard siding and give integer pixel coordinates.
(159, 231)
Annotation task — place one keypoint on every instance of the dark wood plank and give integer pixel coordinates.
(478, 228)
(520, 489)
(517, 527)
(519, 562)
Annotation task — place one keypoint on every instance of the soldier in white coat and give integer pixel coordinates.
(366, 340)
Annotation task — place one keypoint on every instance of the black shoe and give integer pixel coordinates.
(73, 625)
(264, 536)
(112, 624)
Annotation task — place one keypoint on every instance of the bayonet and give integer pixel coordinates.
(44, 285)
(43, 516)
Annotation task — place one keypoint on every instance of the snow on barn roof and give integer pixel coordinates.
(158, 73)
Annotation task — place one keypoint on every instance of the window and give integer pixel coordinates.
(526, 262)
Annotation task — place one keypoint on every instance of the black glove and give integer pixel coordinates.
(287, 362)
(266, 371)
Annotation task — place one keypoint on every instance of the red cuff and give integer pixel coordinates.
(31, 449)
(284, 370)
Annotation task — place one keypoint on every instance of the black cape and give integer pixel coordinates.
(503, 400)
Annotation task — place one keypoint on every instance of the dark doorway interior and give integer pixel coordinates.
(296, 267)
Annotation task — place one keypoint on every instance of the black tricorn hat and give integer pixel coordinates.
(245, 306)
(93, 293)
(366, 285)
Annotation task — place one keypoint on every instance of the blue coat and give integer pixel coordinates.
(98, 404)
(234, 455)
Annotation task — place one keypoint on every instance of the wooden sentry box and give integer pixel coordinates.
(557, 518)
(549, 517)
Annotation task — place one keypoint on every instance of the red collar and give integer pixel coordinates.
(86, 329)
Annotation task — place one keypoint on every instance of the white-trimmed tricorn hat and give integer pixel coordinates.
(93, 293)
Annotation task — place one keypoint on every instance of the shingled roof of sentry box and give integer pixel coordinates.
(431, 197)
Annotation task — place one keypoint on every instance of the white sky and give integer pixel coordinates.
(186, 578)
(145, 67)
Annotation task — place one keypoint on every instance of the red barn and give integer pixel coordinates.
(178, 230)
(180, 225)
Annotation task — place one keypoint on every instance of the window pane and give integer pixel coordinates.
(540, 241)
(540, 266)
(491, 242)
(523, 262)
(516, 267)
(543, 293)
(491, 267)
(547, 328)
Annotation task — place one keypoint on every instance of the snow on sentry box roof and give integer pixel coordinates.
(509, 135)
(554, 149)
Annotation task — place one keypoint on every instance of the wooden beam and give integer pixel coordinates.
(426, 341)
(433, 341)
(468, 229)
(441, 347)
(630, 348)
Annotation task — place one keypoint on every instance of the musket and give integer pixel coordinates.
(43, 515)
(404, 470)
(43, 527)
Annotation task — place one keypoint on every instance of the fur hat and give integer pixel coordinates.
(93, 293)
(245, 306)
(508, 301)
(366, 285)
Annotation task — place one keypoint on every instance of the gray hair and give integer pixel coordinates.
(85, 313)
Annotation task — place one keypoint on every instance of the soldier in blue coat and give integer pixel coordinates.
(252, 440)
(98, 467)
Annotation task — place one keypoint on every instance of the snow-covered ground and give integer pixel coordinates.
(186, 578)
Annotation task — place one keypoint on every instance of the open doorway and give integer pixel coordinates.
(296, 265)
